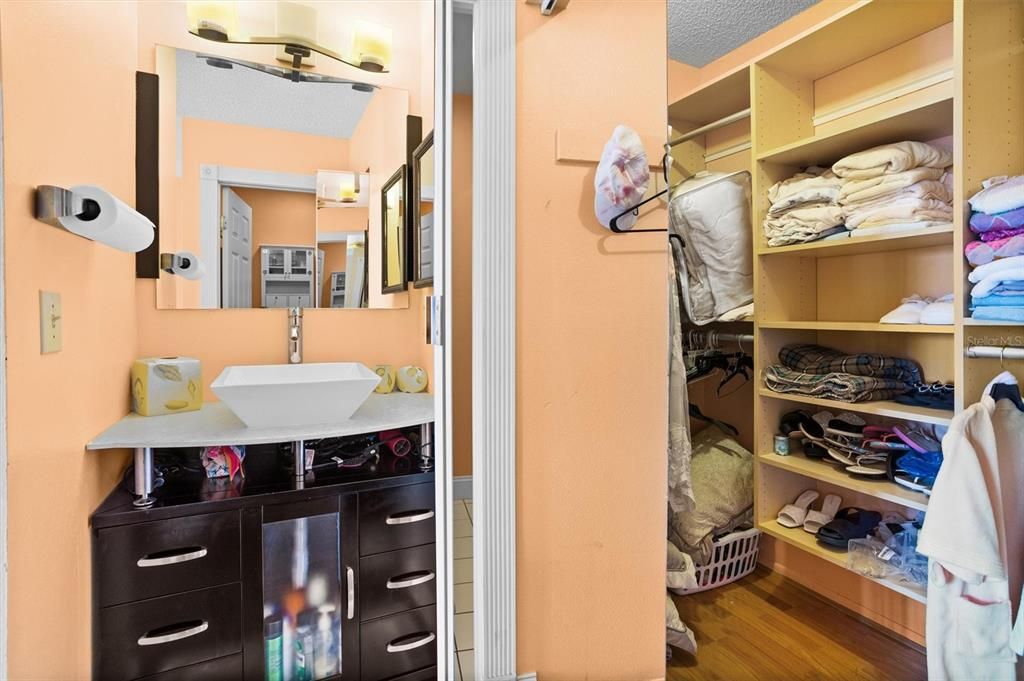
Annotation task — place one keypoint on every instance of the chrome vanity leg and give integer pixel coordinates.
(144, 477)
(299, 459)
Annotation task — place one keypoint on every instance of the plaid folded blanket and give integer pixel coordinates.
(816, 359)
(833, 386)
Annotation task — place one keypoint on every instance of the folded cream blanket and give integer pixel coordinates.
(925, 189)
(891, 158)
(900, 227)
(900, 210)
(856, 191)
(817, 218)
(815, 185)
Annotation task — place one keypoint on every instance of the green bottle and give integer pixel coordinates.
(273, 643)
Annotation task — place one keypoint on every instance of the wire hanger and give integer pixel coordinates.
(635, 210)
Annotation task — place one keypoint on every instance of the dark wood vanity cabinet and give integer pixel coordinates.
(204, 590)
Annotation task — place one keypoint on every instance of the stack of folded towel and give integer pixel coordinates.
(896, 187)
(804, 208)
(825, 373)
(998, 255)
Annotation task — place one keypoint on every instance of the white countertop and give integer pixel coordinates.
(215, 424)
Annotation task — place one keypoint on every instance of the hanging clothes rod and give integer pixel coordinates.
(994, 352)
(701, 339)
(714, 125)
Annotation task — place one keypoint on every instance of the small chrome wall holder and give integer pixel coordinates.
(143, 477)
(54, 203)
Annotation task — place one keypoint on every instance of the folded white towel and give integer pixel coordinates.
(812, 219)
(985, 286)
(891, 158)
(815, 185)
(855, 191)
(1014, 263)
(899, 227)
(999, 195)
(908, 311)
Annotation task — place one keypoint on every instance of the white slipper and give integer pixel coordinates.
(908, 312)
(815, 519)
(792, 515)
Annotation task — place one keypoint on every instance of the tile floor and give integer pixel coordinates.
(462, 521)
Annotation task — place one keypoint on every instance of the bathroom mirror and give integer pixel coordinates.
(422, 217)
(243, 147)
(393, 216)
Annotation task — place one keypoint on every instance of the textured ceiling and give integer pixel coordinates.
(701, 31)
(244, 96)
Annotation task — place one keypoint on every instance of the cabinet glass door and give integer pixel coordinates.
(300, 261)
(308, 595)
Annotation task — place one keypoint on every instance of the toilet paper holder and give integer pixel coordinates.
(54, 203)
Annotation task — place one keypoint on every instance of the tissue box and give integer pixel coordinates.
(166, 385)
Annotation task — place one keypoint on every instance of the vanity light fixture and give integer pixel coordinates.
(218, 21)
(293, 75)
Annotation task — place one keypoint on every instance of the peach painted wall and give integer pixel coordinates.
(278, 219)
(592, 343)
(462, 283)
(57, 402)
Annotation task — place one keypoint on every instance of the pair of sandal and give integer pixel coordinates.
(832, 526)
(800, 513)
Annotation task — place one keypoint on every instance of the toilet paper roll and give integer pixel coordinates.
(116, 224)
(194, 269)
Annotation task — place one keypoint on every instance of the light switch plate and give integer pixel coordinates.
(51, 326)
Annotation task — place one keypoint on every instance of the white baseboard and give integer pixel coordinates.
(532, 676)
(462, 487)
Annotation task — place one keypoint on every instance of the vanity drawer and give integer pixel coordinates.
(167, 556)
(398, 644)
(428, 674)
(162, 634)
(396, 518)
(222, 668)
(396, 581)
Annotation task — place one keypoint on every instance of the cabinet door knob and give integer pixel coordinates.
(152, 560)
(409, 517)
(396, 647)
(410, 579)
(151, 639)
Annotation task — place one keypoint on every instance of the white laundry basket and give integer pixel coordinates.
(734, 556)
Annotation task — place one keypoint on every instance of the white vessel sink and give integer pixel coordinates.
(295, 394)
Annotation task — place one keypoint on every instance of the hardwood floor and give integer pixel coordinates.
(767, 628)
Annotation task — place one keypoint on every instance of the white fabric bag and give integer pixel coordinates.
(622, 177)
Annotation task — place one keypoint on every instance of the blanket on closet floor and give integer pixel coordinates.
(818, 359)
(888, 159)
(835, 386)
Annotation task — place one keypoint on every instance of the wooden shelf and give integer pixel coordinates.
(817, 470)
(866, 327)
(714, 100)
(879, 243)
(922, 115)
(881, 408)
(856, 34)
(806, 541)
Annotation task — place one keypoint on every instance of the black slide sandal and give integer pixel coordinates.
(849, 523)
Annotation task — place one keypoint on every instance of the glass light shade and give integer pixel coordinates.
(371, 46)
(348, 192)
(213, 19)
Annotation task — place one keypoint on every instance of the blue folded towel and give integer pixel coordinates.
(996, 313)
(998, 301)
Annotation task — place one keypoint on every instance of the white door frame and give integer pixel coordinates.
(211, 179)
(494, 340)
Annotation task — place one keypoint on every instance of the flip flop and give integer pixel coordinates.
(916, 440)
(793, 515)
(845, 424)
(815, 519)
(867, 471)
(849, 523)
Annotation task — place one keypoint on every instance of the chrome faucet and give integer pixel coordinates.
(295, 335)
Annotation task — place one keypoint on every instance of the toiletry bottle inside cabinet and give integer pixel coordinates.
(304, 604)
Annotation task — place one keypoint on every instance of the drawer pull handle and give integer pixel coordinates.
(410, 579)
(153, 638)
(350, 577)
(397, 646)
(160, 559)
(409, 517)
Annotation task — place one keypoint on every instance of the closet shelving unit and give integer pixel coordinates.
(881, 71)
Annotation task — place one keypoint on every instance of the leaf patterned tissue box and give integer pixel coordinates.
(166, 385)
